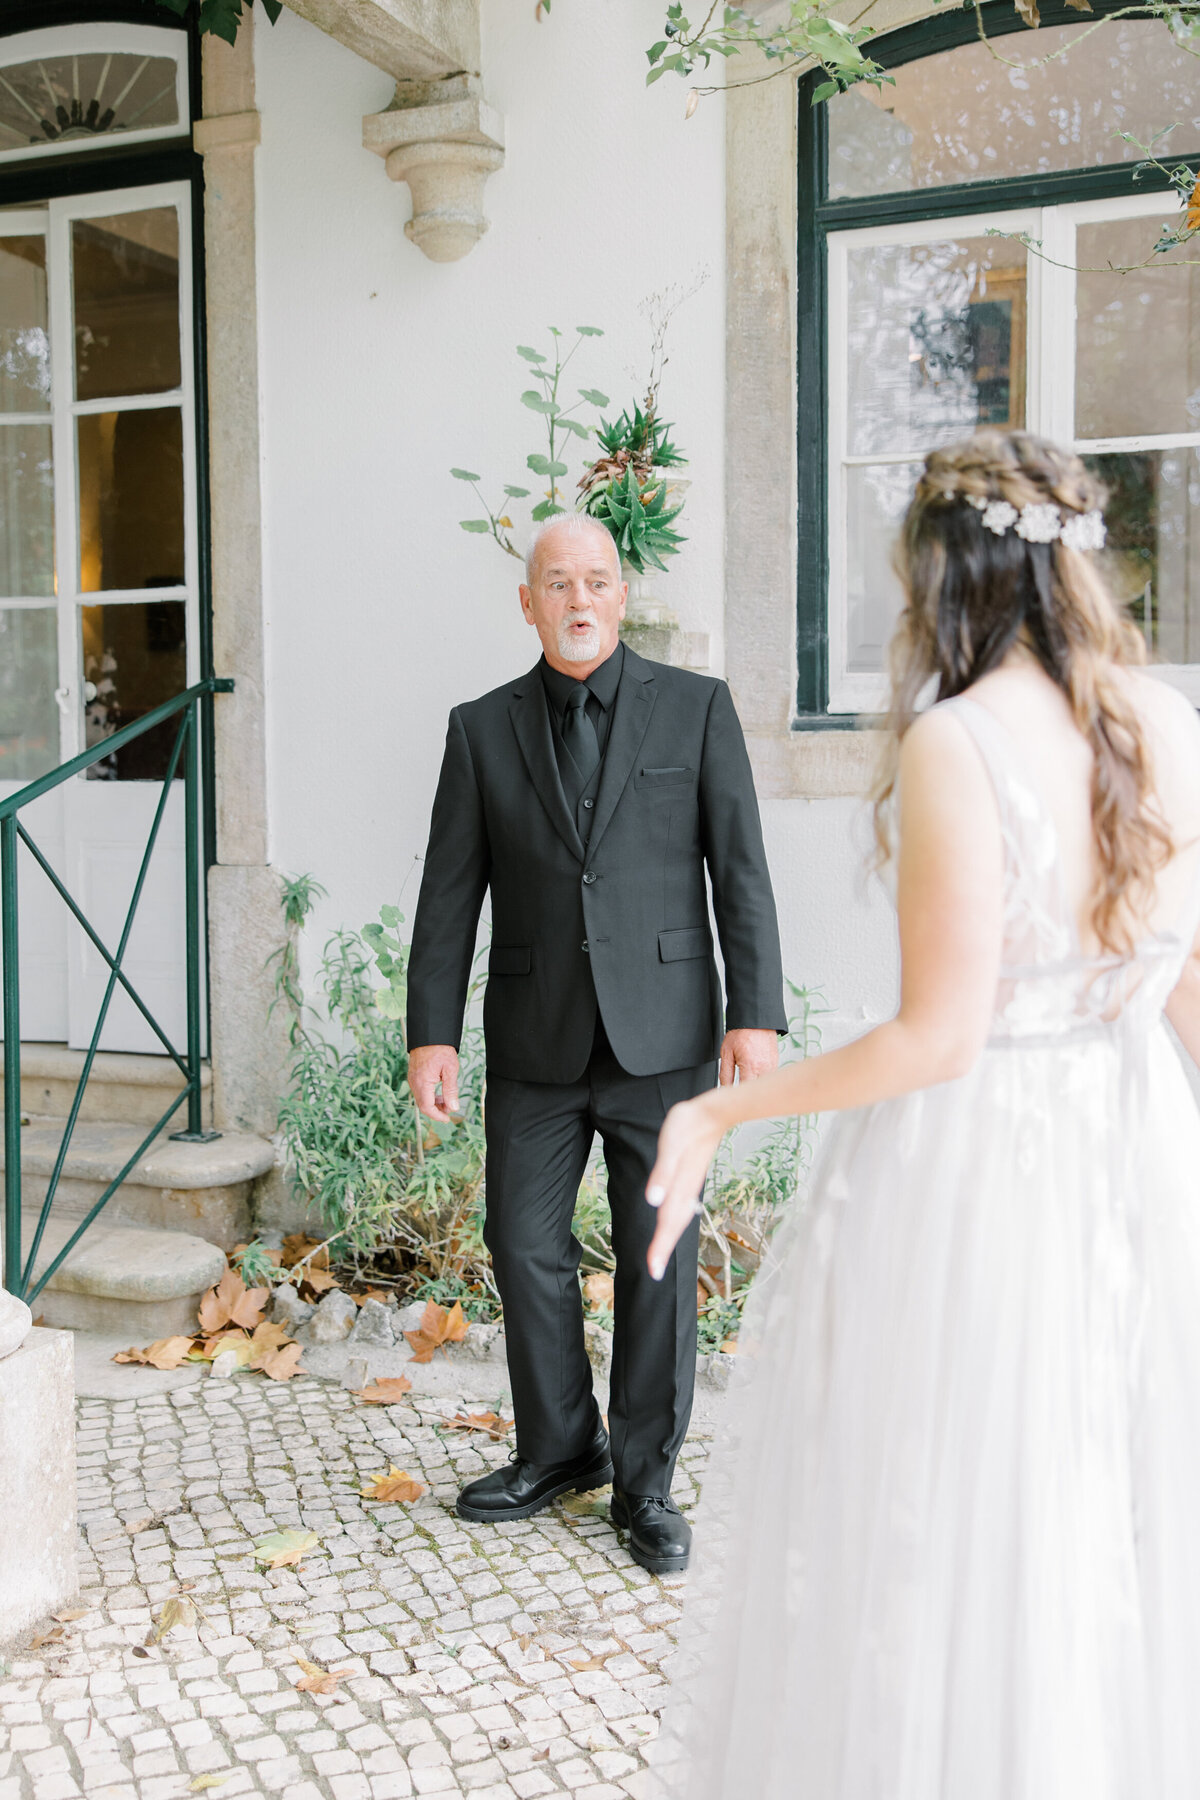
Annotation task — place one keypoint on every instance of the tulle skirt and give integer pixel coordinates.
(949, 1544)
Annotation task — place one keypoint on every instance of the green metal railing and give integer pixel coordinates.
(18, 1273)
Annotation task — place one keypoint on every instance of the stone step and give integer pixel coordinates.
(128, 1089)
(203, 1190)
(122, 1278)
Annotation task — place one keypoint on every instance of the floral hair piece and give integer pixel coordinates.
(1041, 523)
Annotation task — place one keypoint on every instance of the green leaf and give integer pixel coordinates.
(465, 475)
(537, 402)
(391, 916)
(654, 74)
(541, 465)
(593, 396)
(656, 50)
(582, 431)
(545, 509)
(826, 91)
(475, 524)
(273, 8)
(533, 356)
(390, 1003)
(516, 493)
(589, 331)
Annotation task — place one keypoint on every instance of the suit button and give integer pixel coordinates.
(589, 878)
(584, 946)
(588, 805)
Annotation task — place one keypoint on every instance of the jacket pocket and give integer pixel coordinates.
(508, 959)
(663, 777)
(680, 946)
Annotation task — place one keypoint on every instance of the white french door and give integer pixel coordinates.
(99, 591)
(944, 325)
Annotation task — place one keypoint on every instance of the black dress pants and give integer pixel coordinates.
(539, 1138)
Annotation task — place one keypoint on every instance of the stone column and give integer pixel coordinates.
(245, 923)
(37, 1481)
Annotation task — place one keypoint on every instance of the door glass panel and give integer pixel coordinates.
(877, 497)
(65, 99)
(24, 329)
(126, 285)
(1120, 390)
(936, 341)
(130, 499)
(961, 115)
(26, 511)
(28, 678)
(134, 658)
(1152, 557)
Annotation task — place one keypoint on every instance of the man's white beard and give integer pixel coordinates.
(573, 647)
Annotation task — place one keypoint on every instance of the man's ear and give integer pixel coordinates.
(526, 603)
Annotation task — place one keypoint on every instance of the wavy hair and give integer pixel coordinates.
(972, 595)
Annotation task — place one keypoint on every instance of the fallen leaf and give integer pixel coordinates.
(198, 1783)
(395, 1485)
(540, 1755)
(438, 1328)
(212, 1347)
(592, 1662)
(1193, 208)
(279, 1548)
(316, 1680)
(599, 1292)
(140, 1525)
(729, 1347)
(586, 1506)
(296, 1247)
(525, 1639)
(179, 1610)
(70, 1613)
(314, 1282)
(231, 1302)
(53, 1636)
(385, 1392)
(163, 1353)
(491, 1423)
(140, 1650)
(282, 1364)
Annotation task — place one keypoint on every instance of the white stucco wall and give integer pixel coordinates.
(380, 369)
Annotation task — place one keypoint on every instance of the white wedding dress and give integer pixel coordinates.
(949, 1544)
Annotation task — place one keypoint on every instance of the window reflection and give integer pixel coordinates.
(131, 499)
(28, 678)
(125, 273)
(1152, 557)
(134, 658)
(1120, 391)
(24, 327)
(69, 99)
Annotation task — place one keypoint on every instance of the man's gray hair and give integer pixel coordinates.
(574, 524)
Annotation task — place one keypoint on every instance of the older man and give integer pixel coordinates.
(590, 796)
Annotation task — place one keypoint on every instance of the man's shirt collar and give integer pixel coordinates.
(603, 682)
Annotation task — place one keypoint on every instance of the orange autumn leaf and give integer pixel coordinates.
(231, 1302)
(395, 1485)
(490, 1422)
(266, 1339)
(297, 1246)
(1193, 208)
(163, 1353)
(438, 1328)
(315, 1282)
(281, 1364)
(316, 1680)
(385, 1392)
(599, 1292)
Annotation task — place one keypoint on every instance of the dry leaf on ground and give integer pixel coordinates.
(316, 1680)
(70, 1613)
(163, 1353)
(178, 1610)
(211, 1348)
(491, 1423)
(599, 1291)
(199, 1782)
(585, 1663)
(231, 1302)
(593, 1504)
(438, 1328)
(395, 1485)
(296, 1246)
(53, 1636)
(140, 1525)
(279, 1548)
(281, 1364)
(315, 1282)
(524, 1639)
(385, 1392)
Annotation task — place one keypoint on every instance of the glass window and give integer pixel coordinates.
(126, 291)
(26, 456)
(70, 99)
(134, 658)
(1138, 359)
(28, 678)
(962, 115)
(131, 499)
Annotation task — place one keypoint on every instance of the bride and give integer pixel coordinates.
(949, 1546)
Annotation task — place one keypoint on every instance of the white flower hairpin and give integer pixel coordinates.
(1040, 522)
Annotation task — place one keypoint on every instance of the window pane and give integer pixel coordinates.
(126, 276)
(28, 678)
(26, 511)
(24, 332)
(134, 658)
(877, 497)
(66, 99)
(1120, 389)
(131, 499)
(936, 342)
(963, 116)
(1152, 558)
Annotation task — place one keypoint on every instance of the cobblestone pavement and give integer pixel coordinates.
(464, 1641)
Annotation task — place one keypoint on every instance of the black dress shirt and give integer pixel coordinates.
(602, 685)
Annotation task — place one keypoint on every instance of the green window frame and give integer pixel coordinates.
(818, 219)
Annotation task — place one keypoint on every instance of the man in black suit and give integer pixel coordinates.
(590, 796)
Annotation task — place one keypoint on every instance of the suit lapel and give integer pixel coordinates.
(631, 715)
(531, 722)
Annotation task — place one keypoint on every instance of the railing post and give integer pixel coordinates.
(12, 1054)
(194, 918)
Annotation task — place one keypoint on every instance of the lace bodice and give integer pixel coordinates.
(1048, 989)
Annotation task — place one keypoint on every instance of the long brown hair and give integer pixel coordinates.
(972, 595)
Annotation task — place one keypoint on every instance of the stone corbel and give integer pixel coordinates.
(444, 140)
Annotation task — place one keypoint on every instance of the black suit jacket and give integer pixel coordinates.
(621, 922)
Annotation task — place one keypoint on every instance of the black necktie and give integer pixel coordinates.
(579, 735)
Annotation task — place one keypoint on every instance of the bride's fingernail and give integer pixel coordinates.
(656, 1195)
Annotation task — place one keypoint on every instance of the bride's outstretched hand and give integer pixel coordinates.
(687, 1144)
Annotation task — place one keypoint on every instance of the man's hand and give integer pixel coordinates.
(427, 1066)
(747, 1054)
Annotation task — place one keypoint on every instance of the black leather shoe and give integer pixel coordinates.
(660, 1538)
(521, 1489)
